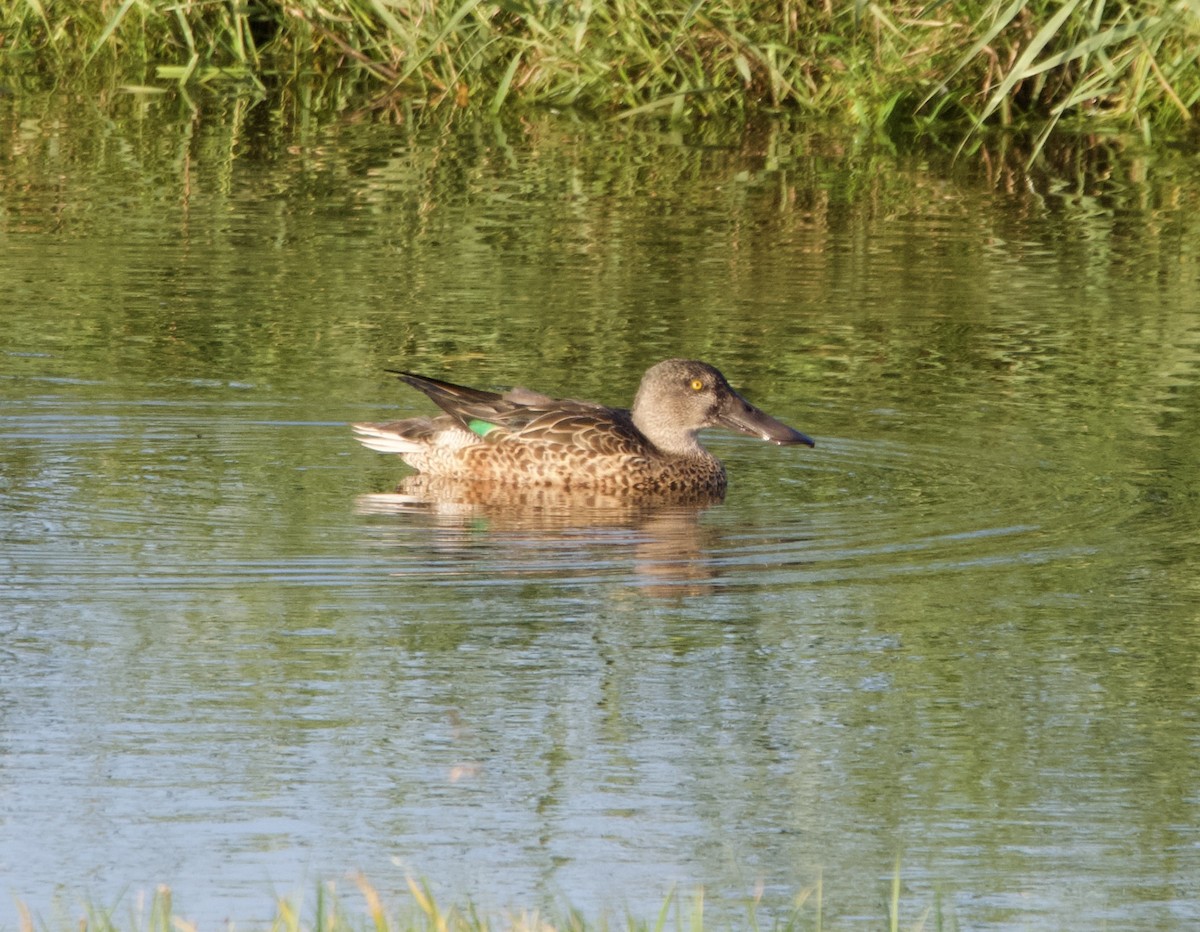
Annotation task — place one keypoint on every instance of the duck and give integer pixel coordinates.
(523, 437)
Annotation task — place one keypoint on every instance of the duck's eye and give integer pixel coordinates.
(697, 384)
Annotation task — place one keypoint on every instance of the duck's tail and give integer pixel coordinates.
(397, 437)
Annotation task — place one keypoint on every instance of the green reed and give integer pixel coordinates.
(157, 911)
(420, 912)
(1131, 63)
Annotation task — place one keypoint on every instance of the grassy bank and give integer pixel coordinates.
(1132, 63)
(420, 912)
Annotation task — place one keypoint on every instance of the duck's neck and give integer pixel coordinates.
(669, 440)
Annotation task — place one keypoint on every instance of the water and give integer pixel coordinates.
(960, 633)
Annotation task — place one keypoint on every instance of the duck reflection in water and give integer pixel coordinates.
(659, 537)
(525, 438)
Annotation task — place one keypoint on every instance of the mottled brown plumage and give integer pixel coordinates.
(525, 437)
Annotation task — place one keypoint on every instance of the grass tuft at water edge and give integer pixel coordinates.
(1131, 64)
(157, 911)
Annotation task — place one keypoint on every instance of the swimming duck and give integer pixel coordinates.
(525, 437)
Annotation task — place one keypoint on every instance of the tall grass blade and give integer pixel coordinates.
(186, 28)
(451, 24)
(1169, 90)
(696, 920)
(385, 15)
(820, 897)
(1020, 68)
(1092, 44)
(894, 904)
(1000, 23)
(286, 916)
(109, 28)
(505, 82)
(322, 920)
(374, 904)
(664, 912)
(36, 6)
(669, 100)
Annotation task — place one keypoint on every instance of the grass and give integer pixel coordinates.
(1132, 64)
(422, 913)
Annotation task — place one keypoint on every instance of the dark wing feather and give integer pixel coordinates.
(465, 405)
(531, 417)
(457, 400)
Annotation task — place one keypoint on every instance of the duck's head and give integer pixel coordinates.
(679, 397)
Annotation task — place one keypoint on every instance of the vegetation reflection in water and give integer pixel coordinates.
(964, 628)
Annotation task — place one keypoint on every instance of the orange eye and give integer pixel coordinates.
(697, 384)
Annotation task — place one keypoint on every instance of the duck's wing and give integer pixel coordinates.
(456, 400)
(593, 428)
(526, 416)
